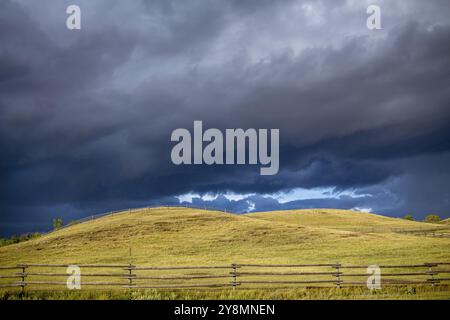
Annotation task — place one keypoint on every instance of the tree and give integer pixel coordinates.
(57, 223)
(15, 238)
(408, 217)
(432, 218)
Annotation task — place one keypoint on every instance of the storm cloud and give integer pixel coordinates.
(86, 116)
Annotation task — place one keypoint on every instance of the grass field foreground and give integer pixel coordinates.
(182, 236)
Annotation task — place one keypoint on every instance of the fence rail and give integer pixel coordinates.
(129, 210)
(233, 276)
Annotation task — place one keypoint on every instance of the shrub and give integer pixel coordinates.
(408, 217)
(16, 239)
(29, 236)
(432, 218)
(57, 223)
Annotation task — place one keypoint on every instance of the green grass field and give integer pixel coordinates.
(181, 236)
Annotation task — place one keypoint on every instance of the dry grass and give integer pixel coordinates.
(344, 220)
(179, 236)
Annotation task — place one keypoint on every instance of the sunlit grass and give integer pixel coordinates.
(179, 236)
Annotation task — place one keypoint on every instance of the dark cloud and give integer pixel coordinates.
(86, 117)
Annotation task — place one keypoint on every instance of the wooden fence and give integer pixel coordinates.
(443, 232)
(130, 210)
(53, 276)
(440, 232)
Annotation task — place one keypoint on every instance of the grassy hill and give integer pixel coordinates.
(446, 221)
(181, 236)
(343, 220)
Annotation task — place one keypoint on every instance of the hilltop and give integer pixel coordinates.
(182, 236)
(343, 220)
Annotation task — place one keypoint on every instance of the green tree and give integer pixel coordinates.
(432, 218)
(57, 223)
(15, 238)
(408, 217)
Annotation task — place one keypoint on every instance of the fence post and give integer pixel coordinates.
(338, 275)
(130, 275)
(23, 275)
(234, 275)
(432, 280)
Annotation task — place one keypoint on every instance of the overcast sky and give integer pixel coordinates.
(86, 115)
